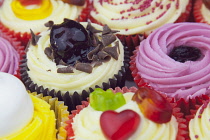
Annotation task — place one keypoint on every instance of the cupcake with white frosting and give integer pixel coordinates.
(71, 59)
(133, 18)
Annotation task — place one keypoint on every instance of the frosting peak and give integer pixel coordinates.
(16, 106)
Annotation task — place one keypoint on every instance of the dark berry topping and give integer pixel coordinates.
(185, 53)
(74, 46)
(207, 3)
(70, 42)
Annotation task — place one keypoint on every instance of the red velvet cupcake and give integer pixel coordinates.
(126, 114)
(19, 16)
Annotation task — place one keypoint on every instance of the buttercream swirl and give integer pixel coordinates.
(86, 124)
(137, 16)
(199, 126)
(42, 125)
(205, 13)
(179, 80)
(9, 57)
(60, 10)
(43, 71)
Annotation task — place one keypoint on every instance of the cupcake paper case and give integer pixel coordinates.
(77, 123)
(72, 77)
(35, 117)
(134, 18)
(19, 16)
(11, 52)
(157, 62)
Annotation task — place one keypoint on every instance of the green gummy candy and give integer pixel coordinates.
(106, 100)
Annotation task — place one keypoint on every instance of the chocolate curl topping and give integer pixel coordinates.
(103, 56)
(48, 51)
(92, 29)
(34, 38)
(85, 67)
(68, 69)
(107, 30)
(49, 24)
(93, 52)
(75, 2)
(108, 39)
(207, 3)
(112, 51)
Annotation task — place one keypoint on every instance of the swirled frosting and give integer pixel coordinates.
(205, 13)
(176, 79)
(58, 11)
(199, 126)
(43, 71)
(86, 124)
(23, 116)
(9, 57)
(137, 16)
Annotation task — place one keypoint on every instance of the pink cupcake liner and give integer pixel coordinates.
(17, 46)
(182, 133)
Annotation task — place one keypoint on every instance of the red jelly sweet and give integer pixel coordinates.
(153, 105)
(119, 126)
(30, 2)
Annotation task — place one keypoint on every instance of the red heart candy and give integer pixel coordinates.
(119, 126)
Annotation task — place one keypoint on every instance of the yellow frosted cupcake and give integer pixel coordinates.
(19, 16)
(27, 116)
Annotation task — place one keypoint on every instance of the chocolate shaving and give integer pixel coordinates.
(92, 29)
(48, 51)
(67, 69)
(95, 58)
(49, 24)
(93, 52)
(107, 30)
(85, 67)
(76, 2)
(61, 62)
(107, 39)
(103, 56)
(34, 38)
(96, 63)
(112, 51)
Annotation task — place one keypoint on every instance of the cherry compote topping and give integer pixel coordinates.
(185, 53)
(70, 42)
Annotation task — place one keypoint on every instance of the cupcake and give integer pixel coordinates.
(34, 117)
(11, 52)
(174, 60)
(129, 114)
(134, 18)
(71, 59)
(199, 123)
(201, 11)
(19, 16)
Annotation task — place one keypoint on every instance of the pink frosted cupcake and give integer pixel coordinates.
(19, 16)
(11, 52)
(126, 114)
(133, 18)
(174, 60)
